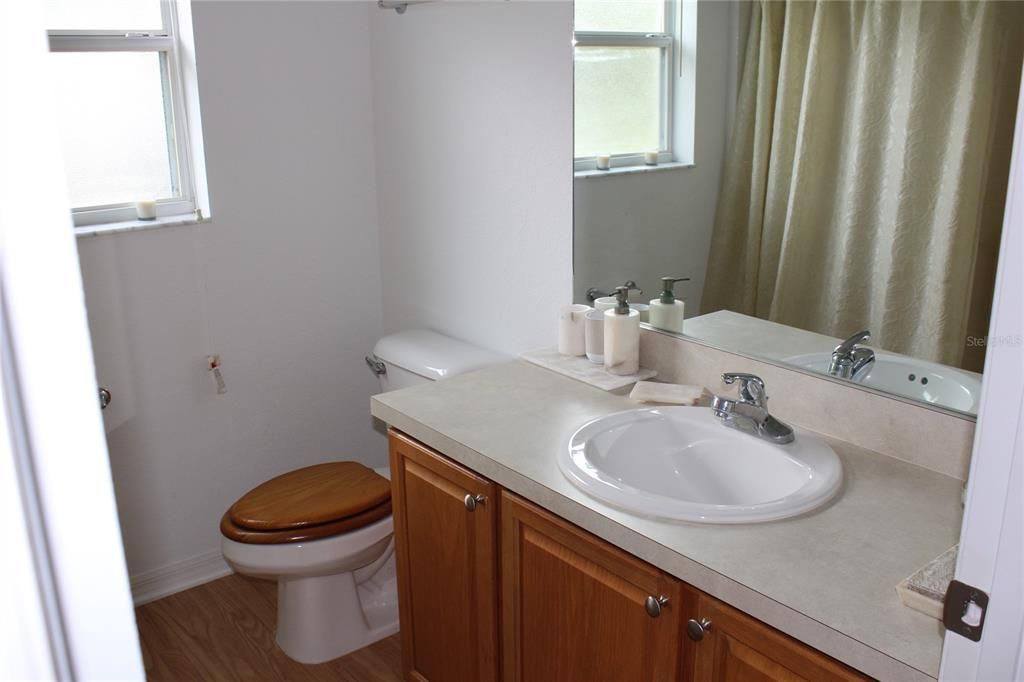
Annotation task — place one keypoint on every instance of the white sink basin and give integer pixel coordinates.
(682, 463)
(921, 380)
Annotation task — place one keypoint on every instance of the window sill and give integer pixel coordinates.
(139, 225)
(632, 170)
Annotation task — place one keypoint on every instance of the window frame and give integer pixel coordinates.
(668, 42)
(182, 138)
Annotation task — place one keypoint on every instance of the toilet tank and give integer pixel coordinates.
(420, 355)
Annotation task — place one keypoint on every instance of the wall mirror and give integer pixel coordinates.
(822, 172)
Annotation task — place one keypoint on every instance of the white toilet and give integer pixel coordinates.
(325, 532)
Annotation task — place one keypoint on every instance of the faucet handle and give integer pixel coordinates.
(751, 387)
(632, 286)
(847, 346)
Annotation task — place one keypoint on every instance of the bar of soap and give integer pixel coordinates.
(925, 591)
(672, 394)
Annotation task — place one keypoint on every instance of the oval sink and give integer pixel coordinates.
(921, 380)
(682, 463)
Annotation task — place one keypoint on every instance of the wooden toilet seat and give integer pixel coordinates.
(307, 504)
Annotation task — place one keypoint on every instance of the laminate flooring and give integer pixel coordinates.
(224, 630)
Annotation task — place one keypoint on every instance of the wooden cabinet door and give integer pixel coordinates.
(739, 648)
(573, 606)
(447, 567)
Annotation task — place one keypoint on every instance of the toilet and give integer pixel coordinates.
(325, 532)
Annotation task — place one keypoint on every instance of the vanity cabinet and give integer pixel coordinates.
(445, 546)
(730, 646)
(572, 606)
(575, 608)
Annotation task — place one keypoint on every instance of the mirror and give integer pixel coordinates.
(830, 176)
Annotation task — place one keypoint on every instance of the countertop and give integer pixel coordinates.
(827, 578)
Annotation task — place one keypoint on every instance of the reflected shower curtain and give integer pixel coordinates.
(867, 170)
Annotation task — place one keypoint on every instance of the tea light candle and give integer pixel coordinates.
(651, 158)
(145, 209)
(603, 161)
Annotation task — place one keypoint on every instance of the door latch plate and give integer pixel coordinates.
(964, 610)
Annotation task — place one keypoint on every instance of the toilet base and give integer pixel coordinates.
(334, 595)
(323, 617)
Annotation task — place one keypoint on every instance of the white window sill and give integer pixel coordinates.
(631, 170)
(139, 225)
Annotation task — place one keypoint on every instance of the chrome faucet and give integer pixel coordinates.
(849, 359)
(750, 412)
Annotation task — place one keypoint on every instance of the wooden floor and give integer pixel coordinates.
(224, 630)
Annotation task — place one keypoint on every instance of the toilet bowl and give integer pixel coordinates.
(333, 596)
(325, 532)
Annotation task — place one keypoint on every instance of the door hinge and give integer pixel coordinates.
(964, 609)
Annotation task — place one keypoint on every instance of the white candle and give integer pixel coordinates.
(145, 209)
(651, 158)
(603, 161)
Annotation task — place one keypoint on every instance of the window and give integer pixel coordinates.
(124, 107)
(626, 77)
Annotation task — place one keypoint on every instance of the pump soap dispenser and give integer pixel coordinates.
(622, 335)
(666, 311)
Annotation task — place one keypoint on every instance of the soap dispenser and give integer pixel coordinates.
(666, 310)
(622, 335)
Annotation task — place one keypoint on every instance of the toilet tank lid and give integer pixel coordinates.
(433, 355)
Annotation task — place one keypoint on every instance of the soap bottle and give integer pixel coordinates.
(622, 335)
(666, 310)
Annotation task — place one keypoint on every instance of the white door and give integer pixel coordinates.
(992, 538)
(67, 610)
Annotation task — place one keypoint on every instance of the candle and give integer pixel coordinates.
(145, 209)
(651, 158)
(603, 161)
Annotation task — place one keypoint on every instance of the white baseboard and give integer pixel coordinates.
(181, 575)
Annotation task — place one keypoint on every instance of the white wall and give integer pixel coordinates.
(648, 225)
(283, 283)
(472, 106)
(473, 119)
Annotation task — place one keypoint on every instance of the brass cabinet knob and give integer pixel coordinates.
(696, 630)
(473, 500)
(653, 605)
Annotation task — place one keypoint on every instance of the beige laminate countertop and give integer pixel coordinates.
(827, 578)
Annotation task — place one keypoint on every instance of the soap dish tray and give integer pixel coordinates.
(925, 590)
(581, 369)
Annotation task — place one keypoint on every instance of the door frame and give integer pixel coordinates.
(991, 555)
(52, 441)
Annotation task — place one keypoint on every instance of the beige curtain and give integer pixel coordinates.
(867, 170)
